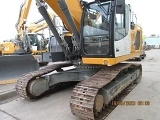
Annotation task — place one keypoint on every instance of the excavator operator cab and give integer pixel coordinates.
(37, 41)
(109, 24)
(109, 38)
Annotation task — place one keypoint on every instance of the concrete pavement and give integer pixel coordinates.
(56, 106)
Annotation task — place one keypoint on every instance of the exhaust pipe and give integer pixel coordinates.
(64, 7)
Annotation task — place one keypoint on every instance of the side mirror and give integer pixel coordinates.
(120, 6)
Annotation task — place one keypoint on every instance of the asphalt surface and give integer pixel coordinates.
(56, 106)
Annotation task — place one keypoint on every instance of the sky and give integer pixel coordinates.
(147, 14)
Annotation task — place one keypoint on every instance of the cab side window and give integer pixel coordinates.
(119, 21)
(119, 27)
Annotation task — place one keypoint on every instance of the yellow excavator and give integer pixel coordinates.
(16, 46)
(36, 42)
(27, 39)
(103, 38)
(33, 41)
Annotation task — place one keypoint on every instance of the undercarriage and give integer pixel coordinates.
(98, 85)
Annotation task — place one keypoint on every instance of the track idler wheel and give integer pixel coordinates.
(98, 104)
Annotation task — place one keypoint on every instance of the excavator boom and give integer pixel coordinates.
(23, 15)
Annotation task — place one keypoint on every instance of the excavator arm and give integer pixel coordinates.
(23, 14)
(34, 28)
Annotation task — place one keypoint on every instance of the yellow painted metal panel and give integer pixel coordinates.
(109, 61)
(75, 10)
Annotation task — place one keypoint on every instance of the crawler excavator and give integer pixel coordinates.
(103, 39)
(28, 36)
(10, 47)
(33, 42)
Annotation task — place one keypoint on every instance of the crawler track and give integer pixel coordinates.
(84, 94)
(23, 81)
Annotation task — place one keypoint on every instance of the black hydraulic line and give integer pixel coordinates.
(65, 27)
(49, 21)
(64, 7)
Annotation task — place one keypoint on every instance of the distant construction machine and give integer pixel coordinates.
(28, 39)
(102, 38)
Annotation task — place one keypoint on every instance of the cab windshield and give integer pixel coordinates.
(37, 40)
(96, 28)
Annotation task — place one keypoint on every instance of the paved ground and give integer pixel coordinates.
(56, 106)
